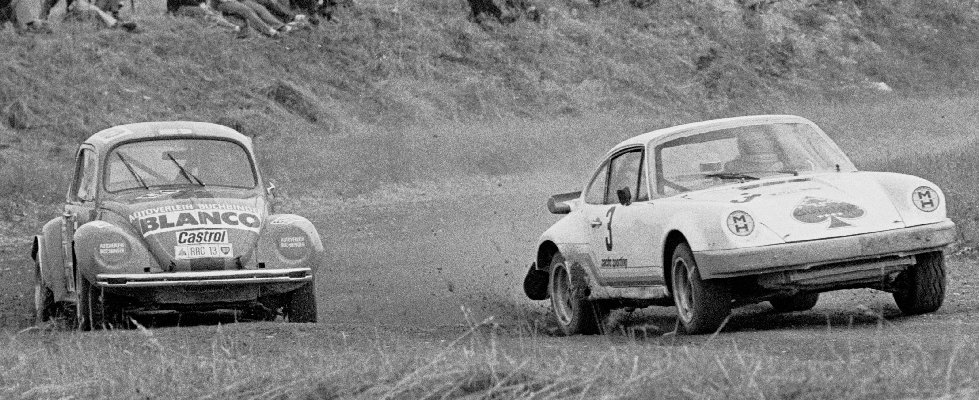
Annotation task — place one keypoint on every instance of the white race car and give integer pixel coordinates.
(718, 214)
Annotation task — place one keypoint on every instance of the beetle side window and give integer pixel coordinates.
(624, 174)
(84, 185)
(596, 189)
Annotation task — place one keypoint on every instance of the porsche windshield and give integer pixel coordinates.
(178, 162)
(743, 154)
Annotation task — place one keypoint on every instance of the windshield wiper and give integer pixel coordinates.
(732, 175)
(139, 179)
(183, 171)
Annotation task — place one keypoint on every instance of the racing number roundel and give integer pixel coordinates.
(925, 198)
(740, 223)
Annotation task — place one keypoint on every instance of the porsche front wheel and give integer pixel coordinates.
(574, 313)
(702, 305)
(922, 285)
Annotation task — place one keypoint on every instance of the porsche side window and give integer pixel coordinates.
(642, 194)
(624, 175)
(84, 186)
(596, 189)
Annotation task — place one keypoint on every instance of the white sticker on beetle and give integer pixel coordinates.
(192, 251)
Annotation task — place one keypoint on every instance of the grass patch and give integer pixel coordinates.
(290, 361)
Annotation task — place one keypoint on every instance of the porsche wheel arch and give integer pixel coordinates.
(673, 239)
(545, 253)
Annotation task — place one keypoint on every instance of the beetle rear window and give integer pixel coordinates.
(183, 162)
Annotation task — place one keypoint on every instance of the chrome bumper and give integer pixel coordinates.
(205, 278)
(804, 255)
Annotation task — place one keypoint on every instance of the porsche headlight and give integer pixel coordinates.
(740, 223)
(925, 198)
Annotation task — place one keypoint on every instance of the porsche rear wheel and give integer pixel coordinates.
(799, 302)
(702, 305)
(922, 285)
(574, 313)
(302, 304)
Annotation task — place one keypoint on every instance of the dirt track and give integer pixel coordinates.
(415, 263)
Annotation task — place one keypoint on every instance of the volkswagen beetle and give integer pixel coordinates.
(713, 215)
(172, 216)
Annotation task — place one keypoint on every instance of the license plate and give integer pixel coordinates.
(187, 252)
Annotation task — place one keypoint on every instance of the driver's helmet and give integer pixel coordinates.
(758, 151)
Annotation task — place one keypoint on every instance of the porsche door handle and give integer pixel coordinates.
(595, 223)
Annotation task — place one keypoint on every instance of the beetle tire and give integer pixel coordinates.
(96, 309)
(799, 302)
(702, 305)
(923, 286)
(302, 304)
(572, 310)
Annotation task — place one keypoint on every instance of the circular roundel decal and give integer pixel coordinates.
(925, 198)
(740, 223)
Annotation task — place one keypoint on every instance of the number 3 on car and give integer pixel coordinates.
(727, 212)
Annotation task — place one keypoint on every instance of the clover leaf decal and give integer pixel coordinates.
(813, 210)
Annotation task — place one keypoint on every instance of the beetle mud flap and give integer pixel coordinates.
(535, 284)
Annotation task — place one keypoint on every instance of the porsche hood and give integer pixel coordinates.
(812, 207)
(195, 229)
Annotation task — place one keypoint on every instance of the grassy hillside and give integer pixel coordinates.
(342, 109)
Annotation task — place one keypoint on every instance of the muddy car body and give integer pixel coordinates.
(716, 214)
(172, 216)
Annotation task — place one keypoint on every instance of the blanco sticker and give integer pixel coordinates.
(188, 252)
(203, 236)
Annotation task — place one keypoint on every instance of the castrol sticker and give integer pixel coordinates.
(203, 236)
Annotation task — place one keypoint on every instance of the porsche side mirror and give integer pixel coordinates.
(625, 196)
(557, 204)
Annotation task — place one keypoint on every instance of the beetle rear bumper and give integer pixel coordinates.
(206, 278)
(805, 255)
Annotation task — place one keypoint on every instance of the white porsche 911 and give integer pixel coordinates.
(717, 214)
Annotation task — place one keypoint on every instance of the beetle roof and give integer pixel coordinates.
(705, 126)
(182, 129)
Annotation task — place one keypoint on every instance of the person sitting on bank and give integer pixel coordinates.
(25, 15)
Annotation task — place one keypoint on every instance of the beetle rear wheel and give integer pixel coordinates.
(702, 305)
(574, 313)
(302, 304)
(96, 309)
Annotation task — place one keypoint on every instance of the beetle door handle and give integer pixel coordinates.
(595, 223)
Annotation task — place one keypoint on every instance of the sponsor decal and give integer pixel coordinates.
(112, 248)
(292, 242)
(813, 210)
(203, 236)
(192, 251)
(615, 263)
(187, 217)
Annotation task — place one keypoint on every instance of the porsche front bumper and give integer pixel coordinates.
(850, 252)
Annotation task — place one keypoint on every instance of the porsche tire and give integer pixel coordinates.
(301, 305)
(572, 310)
(798, 302)
(922, 286)
(702, 305)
